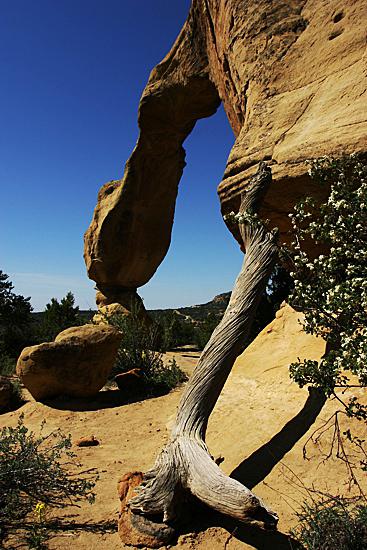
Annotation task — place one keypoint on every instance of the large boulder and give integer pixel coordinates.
(76, 364)
(292, 78)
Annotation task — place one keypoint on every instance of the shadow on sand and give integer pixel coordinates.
(104, 399)
(257, 466)
(251, 472)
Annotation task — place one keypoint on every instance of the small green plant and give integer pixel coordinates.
(37, 535)
(332, 524)
(31, 471)
(141, 348)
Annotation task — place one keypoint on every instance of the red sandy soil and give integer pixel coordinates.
(260, 424)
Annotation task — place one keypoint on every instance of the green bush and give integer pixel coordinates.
(332, 524)
(7, 370)
(59, 316)
(141, 348)
(7, 366)
(175, 332)
(204, 330)
(31, 473)
(16, 325)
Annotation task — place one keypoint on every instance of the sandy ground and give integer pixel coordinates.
(259, 425)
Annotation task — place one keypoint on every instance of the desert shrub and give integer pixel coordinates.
(17, 398)
(7, 365)
(31, 472)
(7, 370)
(332, 524)
(204, 330)
(141, 348)
(166, 376)
(175, 332)
(331, 289)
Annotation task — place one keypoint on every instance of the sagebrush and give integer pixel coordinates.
(142, 348)
(33, 469)
(332, 524)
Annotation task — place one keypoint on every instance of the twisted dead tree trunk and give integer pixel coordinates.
(185, 464)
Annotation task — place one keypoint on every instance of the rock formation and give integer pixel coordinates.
(292, 78)
(128, 523)
(76, 364)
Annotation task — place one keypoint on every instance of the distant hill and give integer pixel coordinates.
(196, 313)
(199, 312)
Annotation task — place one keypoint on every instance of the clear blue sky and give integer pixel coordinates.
(72, 76)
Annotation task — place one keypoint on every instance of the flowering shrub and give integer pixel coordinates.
(33, 474)
(331, 290)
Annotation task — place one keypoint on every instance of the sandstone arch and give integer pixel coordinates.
(291, 76)
(292, 89)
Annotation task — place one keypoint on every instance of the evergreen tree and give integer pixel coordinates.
(15, 319)
(59, 316)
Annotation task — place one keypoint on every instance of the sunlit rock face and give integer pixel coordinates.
(76, 364)
(292, 77)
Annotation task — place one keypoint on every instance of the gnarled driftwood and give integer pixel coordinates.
(185, 464)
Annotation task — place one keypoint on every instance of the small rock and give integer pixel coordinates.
(129, 380)
(87, 442)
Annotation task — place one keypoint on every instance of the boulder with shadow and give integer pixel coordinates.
(76, 364)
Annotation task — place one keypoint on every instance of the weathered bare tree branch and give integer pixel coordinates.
(185, 464)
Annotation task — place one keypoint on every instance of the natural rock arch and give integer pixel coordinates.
(290, 93)
(291, 78)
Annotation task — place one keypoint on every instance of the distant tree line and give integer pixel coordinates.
(179, 332)
(18, 327)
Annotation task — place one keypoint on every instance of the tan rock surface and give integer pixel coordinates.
(301, 71)
(293, 80)
(77, 363)
(259, 425)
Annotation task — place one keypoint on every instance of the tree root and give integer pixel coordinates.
(185, 465)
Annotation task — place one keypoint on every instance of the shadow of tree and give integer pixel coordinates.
(105, 399)
(201, 517)
(19, 534)
(257, 466)
(104, 527)
(251, 472)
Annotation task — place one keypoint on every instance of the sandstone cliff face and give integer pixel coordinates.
(296, 74)
(292, 76)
